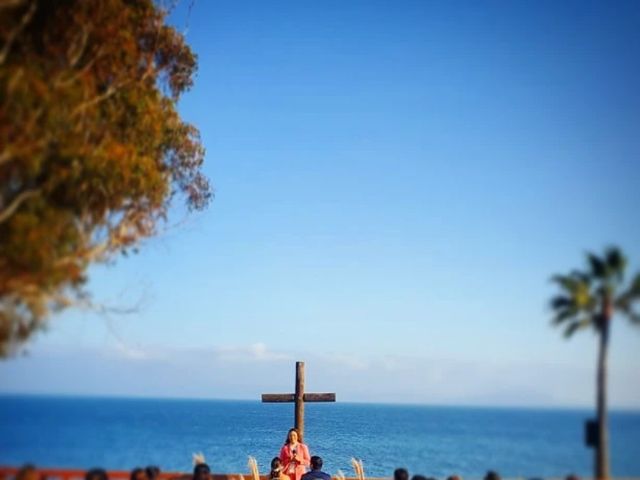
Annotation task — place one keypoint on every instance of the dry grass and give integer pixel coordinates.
(358, 468)
(253, 468)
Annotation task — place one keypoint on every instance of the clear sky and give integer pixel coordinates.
(395, 184)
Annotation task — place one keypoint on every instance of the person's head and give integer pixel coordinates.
(152, 472)
(201, 472)
(400, 474)
(138, 474)
(27, 472)
(276, 467)
(293, 436)
(491, 475)
(572, 476)
(96, 474)
(419, 477)
(316, 463)
(454, 477)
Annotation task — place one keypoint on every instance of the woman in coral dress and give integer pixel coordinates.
(294, 456)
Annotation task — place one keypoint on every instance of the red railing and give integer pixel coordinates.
(9, 473)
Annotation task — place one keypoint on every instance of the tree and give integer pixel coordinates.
(592, 298)
(92, 149)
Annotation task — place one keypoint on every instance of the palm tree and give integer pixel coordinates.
(591, 298)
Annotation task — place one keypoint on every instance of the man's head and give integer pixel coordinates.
(491, 475)
(28, 472)
(96, 474)
(400, 474)
(138, 474)
(153, 472)
(201, 472)
(316, 463)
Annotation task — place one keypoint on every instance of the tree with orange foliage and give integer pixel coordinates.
(92, 148)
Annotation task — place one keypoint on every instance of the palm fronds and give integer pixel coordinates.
(584, 295)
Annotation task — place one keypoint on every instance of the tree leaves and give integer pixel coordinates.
(574, 326)
(616, 262)
(586, 297)
(88, 120)
(598, 266)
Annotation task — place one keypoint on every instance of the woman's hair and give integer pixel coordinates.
(292, 430)
(276, 468)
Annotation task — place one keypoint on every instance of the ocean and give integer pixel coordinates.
(118, 433)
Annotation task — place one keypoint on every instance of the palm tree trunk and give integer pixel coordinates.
(602, 451)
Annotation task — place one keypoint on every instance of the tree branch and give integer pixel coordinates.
(14, 33)
(74, 56)
(100, 98)
(79, 73)
(13, 206)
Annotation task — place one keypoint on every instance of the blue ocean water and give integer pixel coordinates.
(436, 441)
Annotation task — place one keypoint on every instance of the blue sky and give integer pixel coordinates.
(395, 184)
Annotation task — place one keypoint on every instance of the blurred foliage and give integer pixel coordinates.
(591, 297)
(92, 149)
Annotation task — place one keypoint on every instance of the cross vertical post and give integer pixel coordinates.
(299, 415)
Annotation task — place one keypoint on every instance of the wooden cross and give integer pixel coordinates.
(299, 397)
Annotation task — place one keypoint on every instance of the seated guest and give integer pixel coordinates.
(316, 472)
(96, 474)
(419, 477)
(277, 471)
(400, 474)
(27, 472)
(138, 474)
(153, 472)
(491, 475)
(201, 472)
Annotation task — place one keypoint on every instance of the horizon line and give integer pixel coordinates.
(115, 396)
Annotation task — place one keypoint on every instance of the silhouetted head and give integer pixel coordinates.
(276, 468)
(316, 463)
(96, 474)
(400, 474)
(138, 474)
(27, 472)
(491, 475)
(572, 476)
(292, 436)
(454, 477)
(201, 472)
(419, 477)
(153, 472)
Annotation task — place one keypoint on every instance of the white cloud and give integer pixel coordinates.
(246, 371)
(131, 353)
(253, 352)
(343, 360)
